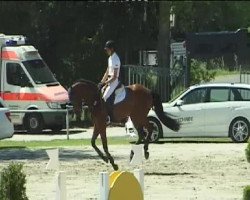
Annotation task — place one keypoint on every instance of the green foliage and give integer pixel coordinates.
(12, 183)
(200, 73)
(70, 35)
(151, 79)
(247, 152)
(246, 193)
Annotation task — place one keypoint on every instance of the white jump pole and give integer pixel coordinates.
(60, 178)
(104, 185)
(61, 186)
(139, 175)
(137, 158)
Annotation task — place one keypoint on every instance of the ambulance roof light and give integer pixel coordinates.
(16, 41)
(11, 43)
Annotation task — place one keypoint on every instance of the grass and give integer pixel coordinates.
(7, 144)
(223, 72)
(60, 143)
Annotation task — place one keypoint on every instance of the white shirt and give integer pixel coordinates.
(114, 63)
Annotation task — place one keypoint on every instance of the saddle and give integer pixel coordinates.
(120, 93)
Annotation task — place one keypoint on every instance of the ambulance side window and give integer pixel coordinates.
(15, 74)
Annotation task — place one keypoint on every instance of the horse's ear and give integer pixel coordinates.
(70, 93)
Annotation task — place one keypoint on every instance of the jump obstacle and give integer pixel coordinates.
(120, 185)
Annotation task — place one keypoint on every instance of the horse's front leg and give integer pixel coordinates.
(148, 133)
(99, 152)
(105, 148)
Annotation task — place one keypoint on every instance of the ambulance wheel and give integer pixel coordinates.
(34, 123)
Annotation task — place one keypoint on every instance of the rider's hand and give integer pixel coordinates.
(100, 85)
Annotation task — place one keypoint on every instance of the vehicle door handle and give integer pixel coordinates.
(7, 91)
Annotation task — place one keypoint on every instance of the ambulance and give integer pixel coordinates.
(26, 83)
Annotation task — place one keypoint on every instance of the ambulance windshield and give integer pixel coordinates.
(39, 71)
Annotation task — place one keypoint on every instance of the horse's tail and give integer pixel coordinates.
(164, 118)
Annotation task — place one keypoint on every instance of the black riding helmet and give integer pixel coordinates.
(110, 44)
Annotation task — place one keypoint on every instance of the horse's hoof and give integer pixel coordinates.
(115, 167)
(146, 155)
(131, 155)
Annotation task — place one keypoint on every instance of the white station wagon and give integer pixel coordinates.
(207, 110)
(6, 126)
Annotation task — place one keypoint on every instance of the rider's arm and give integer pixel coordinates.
(105, 76)
(114, 77)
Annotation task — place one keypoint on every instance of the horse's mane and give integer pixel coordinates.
(86, 81)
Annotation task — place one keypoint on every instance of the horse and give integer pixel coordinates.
(137, 104)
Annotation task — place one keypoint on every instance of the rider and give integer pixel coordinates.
(111, 77)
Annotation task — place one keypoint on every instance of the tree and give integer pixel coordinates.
(164, 43)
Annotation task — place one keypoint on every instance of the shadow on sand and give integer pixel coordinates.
(167, 174)
(49, 132)
(21, 153)
(192, 140)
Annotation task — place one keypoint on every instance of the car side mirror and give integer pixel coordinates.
(179, 102)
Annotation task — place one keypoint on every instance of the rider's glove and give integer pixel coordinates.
(100, 85)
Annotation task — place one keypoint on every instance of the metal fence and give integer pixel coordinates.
(66, 111)
(157, 79)
(244, 74)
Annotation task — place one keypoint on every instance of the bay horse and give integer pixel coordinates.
(137, 104)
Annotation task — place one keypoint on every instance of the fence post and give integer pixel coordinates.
(129, 83)
(67, 121)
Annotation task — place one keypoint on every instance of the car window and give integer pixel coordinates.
(15, 74)
(1, 105)
(235, 95)
(219, 94)
(241, 94)
(195, 96)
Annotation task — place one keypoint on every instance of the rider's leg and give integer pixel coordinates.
(110, 89)
(109, 97)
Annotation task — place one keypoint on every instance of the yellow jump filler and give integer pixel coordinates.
(122, 185)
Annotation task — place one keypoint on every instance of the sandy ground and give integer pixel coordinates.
(174, 171)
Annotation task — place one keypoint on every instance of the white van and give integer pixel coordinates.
(26, 83)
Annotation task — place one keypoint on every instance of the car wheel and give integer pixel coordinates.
(157, 132)
(34, 123)
(239, 130)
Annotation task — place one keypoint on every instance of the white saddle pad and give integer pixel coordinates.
(120, 95)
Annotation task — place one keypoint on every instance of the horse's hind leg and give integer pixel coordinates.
(142, 138)
(105, 148)
(141, 135)
(148, 133)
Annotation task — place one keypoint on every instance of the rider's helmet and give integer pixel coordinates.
(109, 44)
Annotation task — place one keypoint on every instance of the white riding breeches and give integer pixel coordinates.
(110, 89)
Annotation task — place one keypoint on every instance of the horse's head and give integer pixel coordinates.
(82, 93)
(76, 102)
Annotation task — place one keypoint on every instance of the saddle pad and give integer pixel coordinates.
(120, 95)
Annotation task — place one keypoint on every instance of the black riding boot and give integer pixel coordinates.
(109, 105)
